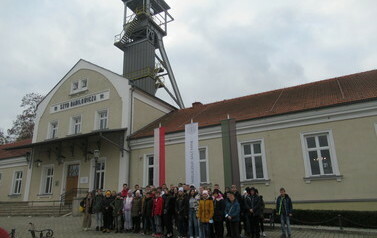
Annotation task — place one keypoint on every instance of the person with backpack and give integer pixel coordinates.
(87, 204)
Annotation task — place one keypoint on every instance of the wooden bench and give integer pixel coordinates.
(269, 216)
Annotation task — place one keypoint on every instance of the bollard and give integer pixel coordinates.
(340, 222)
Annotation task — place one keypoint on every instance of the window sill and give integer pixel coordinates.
(256, 181)
(99, 130)
(74, 134)
(207, 184)
(14, 195)
(48, 139)
(48, 195)
(338, 178)
(77, 91)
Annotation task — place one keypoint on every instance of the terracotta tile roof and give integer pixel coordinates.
(326, 93)
(6, 154)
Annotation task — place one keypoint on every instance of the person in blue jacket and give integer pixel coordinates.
(284, 209)
(232, 214)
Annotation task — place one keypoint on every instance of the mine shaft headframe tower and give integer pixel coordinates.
(145, 60)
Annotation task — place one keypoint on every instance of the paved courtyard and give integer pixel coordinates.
(69, 227)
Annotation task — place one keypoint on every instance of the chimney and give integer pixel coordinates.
(196, 104)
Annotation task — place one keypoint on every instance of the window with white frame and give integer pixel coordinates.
(75, 86)
(149, 170)
(203, 163)
(253, 160)
(99, 179)
(76, 125)
(319, 154)
(102, 119)
(17, 182)
(53, 130)
(79, 86)
(84, 84)
(47, 180)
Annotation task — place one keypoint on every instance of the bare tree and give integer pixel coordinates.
(3, 138)
(23, 126)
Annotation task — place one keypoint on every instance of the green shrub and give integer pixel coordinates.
(359, 219)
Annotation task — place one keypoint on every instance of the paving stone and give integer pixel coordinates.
(70, 227)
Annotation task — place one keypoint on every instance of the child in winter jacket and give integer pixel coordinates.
(136, 211)
(117, 206)
(158, 206)
(205, 213)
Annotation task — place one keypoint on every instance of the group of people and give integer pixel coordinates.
(193, 212)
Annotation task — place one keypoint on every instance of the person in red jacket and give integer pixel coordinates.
(124, 191)
(158, 207)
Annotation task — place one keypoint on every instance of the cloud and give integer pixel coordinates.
(218, 49)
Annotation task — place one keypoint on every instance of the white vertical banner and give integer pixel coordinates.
(192, 154)
(156, 162)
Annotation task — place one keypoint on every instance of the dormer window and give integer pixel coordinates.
(75, 86)
(79, 86)
(84, 83)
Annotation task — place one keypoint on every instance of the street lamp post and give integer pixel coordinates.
(96, 157)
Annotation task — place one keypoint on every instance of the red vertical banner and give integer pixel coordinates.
(162, 168)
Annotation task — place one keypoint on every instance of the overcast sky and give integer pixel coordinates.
(218, 49)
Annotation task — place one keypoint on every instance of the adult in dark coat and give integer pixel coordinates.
(168, 213)
(232, 214)
(107, 212)
(254, 207)
(147, 214)
(219, 213)
(181, 209)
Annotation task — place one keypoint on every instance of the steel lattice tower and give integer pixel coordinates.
(145, 60)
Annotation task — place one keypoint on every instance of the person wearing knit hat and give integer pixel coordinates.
(181, 210)
(127, 205)
(205, 213)
(107, 212)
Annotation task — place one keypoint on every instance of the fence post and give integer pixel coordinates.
(340, 222)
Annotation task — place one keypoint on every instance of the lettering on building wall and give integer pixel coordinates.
(81, 101)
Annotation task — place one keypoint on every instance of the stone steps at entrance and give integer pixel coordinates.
(24, 209)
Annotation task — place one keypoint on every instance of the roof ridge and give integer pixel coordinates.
(290, 87)
(14, 143)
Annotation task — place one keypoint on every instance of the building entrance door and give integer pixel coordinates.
(72, 182)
